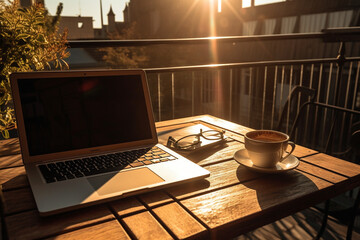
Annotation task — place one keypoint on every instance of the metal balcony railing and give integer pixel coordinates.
(254, 93)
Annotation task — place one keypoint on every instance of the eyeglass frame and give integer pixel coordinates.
(173, 141)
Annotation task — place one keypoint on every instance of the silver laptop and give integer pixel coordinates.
(89, 136)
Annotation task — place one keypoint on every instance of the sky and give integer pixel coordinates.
(91, 8)
(88, 8)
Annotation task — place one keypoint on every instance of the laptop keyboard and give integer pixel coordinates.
(61, 171)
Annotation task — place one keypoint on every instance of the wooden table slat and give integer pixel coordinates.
(301, 151)
(11, 161)
(215, 154)
(202, 157)
(221, 175)
(153, 199)
(180, 222)
(30, 225)
(209, 120)
(12, 178)
(228, 205)
(18, 200)
(107, 230)
(144, 226)
(232, 200)
(9, 147)
(335, 164)
(322, 173)
(127, 206)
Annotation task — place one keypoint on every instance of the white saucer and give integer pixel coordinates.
(288, 164)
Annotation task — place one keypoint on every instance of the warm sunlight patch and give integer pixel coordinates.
(247, 3)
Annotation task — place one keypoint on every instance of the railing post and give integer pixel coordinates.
(173, 95)
(159, 95)
(230, 94)
(192, 93)
(340, 62)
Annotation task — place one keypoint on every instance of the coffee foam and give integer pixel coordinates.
(267, 136)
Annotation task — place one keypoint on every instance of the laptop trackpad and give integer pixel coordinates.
(123, 181)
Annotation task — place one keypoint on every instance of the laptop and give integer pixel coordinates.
(88, 137)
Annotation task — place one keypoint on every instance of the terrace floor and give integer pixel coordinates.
(302, 225)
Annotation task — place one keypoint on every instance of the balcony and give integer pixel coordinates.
(255, 94)
(306, 85)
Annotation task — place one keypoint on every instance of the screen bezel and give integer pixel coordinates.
(27, 158)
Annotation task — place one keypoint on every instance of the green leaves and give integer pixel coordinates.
(29, 40)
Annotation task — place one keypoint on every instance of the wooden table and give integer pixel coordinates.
(232, 201)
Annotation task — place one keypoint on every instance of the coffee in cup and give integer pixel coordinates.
(267, 147)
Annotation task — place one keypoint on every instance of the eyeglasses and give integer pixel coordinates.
(193, 141)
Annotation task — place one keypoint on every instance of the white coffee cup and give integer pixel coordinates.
(267, 147)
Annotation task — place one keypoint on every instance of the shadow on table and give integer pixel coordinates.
(202, 154)
(15, 182)
(274, 190)
(30, 225)
(9, 147)
(302, 225)
(189, 189)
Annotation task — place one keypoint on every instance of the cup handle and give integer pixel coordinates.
(292, 144)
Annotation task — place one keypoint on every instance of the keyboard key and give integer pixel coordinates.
(78, 174)
(137, 164)
(60, 178)
(50, 180)
(70, 169)
(70, 176)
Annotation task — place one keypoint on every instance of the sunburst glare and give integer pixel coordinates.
(213, 44)
(187, 14)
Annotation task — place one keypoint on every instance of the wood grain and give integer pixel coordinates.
(221, 175)
(180, 222)
(11, 178)
(214, 154)
(107, 230)
(145, 226)
(303, 151)
(209, 120)
(202, 156)
(29, 225)
(153, 199)
(9, 147)
(165, 131)
(233, 200)
(244, 202)
(172, 122)
(18, 200)
(334, 164)
(126, 206)
(320, 172)
(10, 161)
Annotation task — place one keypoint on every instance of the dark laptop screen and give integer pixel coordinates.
(62, 114)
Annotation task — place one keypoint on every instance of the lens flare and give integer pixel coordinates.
(213, 43)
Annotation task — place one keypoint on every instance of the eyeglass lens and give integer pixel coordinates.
(188, 141)
(212, 135)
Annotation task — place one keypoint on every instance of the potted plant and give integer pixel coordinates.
(29, 41)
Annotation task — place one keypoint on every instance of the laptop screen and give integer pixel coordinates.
(70, 113)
